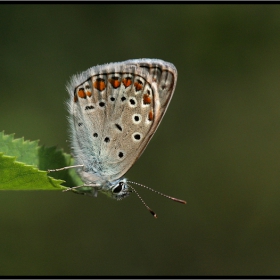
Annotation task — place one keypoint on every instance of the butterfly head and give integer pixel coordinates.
(118, 189)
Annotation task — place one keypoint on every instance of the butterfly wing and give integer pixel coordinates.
(114, 111)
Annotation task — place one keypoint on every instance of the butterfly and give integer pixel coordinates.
(114, 111)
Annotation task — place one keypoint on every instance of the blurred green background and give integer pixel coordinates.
(218, 146)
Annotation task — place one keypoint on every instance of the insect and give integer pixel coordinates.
(115, 110)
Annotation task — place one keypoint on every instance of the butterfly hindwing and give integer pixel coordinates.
(114, 111)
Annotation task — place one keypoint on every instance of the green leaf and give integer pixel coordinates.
(19, 176)
(22, 150)
(22, 164)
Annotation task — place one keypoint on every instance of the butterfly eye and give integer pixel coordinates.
(118, 188)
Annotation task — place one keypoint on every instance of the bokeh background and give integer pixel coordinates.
(218, 146)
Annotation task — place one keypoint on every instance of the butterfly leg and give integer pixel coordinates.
(66, 167)
(94, 190)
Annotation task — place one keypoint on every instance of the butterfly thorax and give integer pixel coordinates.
(117, 189)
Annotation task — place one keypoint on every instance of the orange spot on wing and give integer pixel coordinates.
(115, 83)
(146, 99)
(138, 86)
(88, 93)
(127, 82)
(151, 115)
(81, 93)
(99, 84)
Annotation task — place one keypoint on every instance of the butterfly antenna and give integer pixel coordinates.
(162, 194)
(150, 210)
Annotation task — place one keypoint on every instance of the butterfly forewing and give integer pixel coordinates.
(116, 110)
